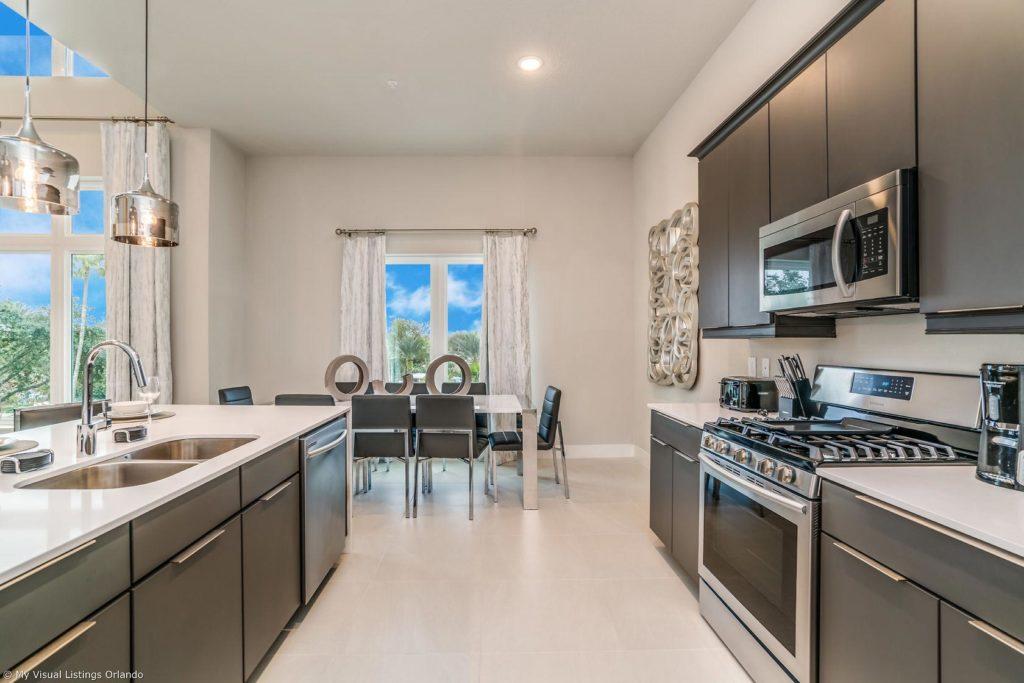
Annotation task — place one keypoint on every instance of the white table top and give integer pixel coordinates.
(38, 524)
(491, 404)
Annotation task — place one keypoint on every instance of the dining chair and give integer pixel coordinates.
(445, 428)
(381, 428)
(43, 416)
(482, 425)
(303, 400)
(549, 428)
(235, 396)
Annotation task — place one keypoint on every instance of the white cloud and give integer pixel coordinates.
(403, 302)
(24, 276)
(463, 293)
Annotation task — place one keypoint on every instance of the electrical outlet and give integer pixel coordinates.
(766, 367)
(751, 366)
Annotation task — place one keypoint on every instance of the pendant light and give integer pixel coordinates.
(35, 177)
(144, 217)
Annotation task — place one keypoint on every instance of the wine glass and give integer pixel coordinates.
(150, 393)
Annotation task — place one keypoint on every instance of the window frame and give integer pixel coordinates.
(438, 264)
(61, 244)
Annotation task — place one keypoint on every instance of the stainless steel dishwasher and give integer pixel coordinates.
(324, 523)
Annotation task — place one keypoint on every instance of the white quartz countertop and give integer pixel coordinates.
(38, 524)
(947, 495)
(696, 414)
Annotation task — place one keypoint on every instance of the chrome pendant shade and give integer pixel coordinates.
(36, 177)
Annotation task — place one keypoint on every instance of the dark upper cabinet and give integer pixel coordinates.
(749, 208)
(973, 651)
(713, 241)
(871, 108)
(971, 138)
(874, 625)
(661, 491)
(799, 143)
(686, 510)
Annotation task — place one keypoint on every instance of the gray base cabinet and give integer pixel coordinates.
(974, 651)
(187, 616)
(874, 625)
(100, 644)
(271, 568)
(685, 511)
(661, 491)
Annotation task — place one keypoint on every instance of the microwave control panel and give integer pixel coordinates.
(873, 237)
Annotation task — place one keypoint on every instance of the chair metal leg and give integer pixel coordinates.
(565, 469)
(416, 478)
(494, 477)
(554, 464)
(430, 479)
(444, 465)
(406, 459)
(471, 458)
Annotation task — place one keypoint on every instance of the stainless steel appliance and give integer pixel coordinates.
(760, 498)
(748, 394)
(999, 446)
(852, 254)
(324, 506)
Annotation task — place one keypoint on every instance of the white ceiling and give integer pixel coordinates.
(311, 76)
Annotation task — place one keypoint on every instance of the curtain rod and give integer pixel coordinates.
(348, 232)
(132, 119)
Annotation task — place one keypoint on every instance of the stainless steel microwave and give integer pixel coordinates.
(852, 254)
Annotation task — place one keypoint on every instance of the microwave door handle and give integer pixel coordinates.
(837, 268)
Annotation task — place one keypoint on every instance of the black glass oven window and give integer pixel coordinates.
(753, 552)
(802, 264)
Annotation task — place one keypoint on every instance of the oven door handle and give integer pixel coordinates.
(728, 476)
(837, 267)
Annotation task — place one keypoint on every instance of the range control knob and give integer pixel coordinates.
(766, 467)
(786, 475)
(742, 455)
(708, 440)
(721, 448)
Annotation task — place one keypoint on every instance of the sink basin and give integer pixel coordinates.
(189, 449)
(115, 474)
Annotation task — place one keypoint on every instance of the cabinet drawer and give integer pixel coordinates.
(187, 616)
(269, 470)
(983, 580)
(680, 436)
(973, 651)
(43, 603)
(161, 533)
(98, 645)
(271, 568)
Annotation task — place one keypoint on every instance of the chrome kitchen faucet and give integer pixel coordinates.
(88, 427)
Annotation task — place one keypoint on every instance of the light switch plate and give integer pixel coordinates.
(752, 366)
(766, 367)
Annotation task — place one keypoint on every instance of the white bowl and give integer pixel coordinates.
(127, 408)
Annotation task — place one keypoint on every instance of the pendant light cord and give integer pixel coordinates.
(145, 101)
(28, 61)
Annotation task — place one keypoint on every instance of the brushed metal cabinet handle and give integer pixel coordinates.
(882, 569)
(945, 531)
(187, 554)
(658, 441)
(684, 456)
(46, 565)
(56, 645)
(270, 496)
(995, 634)
(323, 449)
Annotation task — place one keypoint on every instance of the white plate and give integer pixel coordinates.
(6, 441)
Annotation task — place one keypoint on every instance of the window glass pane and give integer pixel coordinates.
(88, 319)
(465, 315)
(408, 311)
(16, 222)
(89, 219)
(12, 46)
(84, 68)
(24, 332)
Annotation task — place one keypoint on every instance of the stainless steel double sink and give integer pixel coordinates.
(144, 466)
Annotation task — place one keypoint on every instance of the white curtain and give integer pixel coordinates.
(138, 278)
(363, 316)
(507, 313)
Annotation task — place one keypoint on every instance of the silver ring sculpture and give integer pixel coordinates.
(673, 332)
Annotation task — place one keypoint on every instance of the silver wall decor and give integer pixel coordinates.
(674, 278)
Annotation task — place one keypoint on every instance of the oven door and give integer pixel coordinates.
(757, 549)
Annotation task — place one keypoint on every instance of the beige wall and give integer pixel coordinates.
(665, 178)
(579, 269)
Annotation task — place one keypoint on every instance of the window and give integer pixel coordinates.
(52, 303)
(49, 57)
(434, 306)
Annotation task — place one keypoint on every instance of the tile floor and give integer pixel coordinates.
(580, 590)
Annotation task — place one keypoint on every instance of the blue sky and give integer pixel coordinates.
(12, 49)
(408, 294)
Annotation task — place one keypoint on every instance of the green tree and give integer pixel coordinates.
(24, 355)
(84, 265)
(466, 345)
(409, 346)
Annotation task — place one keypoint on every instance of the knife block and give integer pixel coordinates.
(794, 397)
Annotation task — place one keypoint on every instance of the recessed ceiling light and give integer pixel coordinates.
(392, 85)
(530, 63)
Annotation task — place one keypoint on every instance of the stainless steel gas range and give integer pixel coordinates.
(760, 499)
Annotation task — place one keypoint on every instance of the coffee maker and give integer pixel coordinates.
(999, 450)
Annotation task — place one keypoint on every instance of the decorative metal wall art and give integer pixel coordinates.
(673, 334)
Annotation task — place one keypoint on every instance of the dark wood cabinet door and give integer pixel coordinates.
(713, 240)
(96, 649)
(971, 137)
(271, 568)
(685, 510)
(661, 491)
(874, 625)
(187, 615)
(799, 143)
(871, 112)
(973, 651)
(749, 209)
